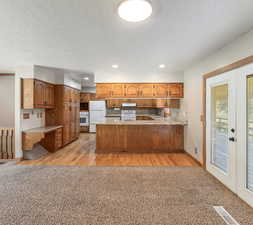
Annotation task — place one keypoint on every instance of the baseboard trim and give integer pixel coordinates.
(195, 160)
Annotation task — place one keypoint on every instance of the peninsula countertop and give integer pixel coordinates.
(156, 120)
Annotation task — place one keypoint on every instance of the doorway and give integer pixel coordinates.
(229, 130)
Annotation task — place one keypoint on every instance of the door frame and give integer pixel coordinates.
(217, 72)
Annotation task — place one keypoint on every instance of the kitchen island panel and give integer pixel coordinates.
(140, 138)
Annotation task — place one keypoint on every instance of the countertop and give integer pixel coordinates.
(42, 129)
(157, 120)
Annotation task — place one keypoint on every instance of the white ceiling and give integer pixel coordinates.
(88, 35)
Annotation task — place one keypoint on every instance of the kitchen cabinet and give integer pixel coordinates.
(161, 90)
(132, 90)
(140, 90)
(103, 91)
(86, 97)
(118, 91)
(145, 103)
(66, 113)
(146, 90)
(49, 95)
(37, 94)
(176, 90)
(166, 103)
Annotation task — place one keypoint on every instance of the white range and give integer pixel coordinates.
(97, 114)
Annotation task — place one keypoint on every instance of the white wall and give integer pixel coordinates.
(56, 76)
(7, 101)
(118, 76)
(239, 49)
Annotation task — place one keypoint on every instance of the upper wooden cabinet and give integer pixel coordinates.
(86, 97)
(145, 103)
(146, 90)
(118, 91)
(132, 90)
(37, 94)
(103, 91)
(176, 90)
(161, 90)
(138, 90)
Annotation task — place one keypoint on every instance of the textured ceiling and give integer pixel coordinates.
(88, 35)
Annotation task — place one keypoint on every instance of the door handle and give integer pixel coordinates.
(232, 139)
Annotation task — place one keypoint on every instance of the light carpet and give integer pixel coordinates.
(114, 196)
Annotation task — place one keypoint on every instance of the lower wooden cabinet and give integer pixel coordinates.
(53, 140)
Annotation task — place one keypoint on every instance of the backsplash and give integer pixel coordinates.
(139, 111)
(36, 118)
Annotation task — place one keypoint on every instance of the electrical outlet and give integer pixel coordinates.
(26, 116)
(196, 150)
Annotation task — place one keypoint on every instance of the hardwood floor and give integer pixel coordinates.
(82, 153)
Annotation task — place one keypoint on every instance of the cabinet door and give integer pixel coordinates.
(173, 103)
(66, 134)
(176, 90)
(161, 90)
(103, 91)
(49, 95)
(118, 91)
(146, 90)
(132, 90)
(92, 97)
(160, 103)
(84, 97)
(67, 94)
(114, 103)
(145, 103)
(39, 94)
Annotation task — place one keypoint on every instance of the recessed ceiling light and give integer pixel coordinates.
(86, 78)
(115, 66)
(162, 66)
(135, 10)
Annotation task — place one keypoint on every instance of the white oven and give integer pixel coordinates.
(84, 119)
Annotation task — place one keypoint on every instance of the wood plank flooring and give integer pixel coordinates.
(82, 153)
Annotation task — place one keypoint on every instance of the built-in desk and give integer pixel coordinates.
(50, 138)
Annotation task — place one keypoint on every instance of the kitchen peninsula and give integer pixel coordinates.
(157, 135)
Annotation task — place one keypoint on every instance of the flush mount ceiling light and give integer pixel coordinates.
(115, 66)
(162, 66)
(135, 10)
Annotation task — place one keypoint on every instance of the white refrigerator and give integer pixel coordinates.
(97, 114)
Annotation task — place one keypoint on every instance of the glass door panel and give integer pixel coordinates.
(250, 133)
(219, 127)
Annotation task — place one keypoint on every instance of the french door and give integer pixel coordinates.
(229, 130)
(221, 129)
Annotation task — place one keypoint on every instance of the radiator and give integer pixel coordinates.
(7, 143)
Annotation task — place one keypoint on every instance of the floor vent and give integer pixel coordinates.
(225, 215)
